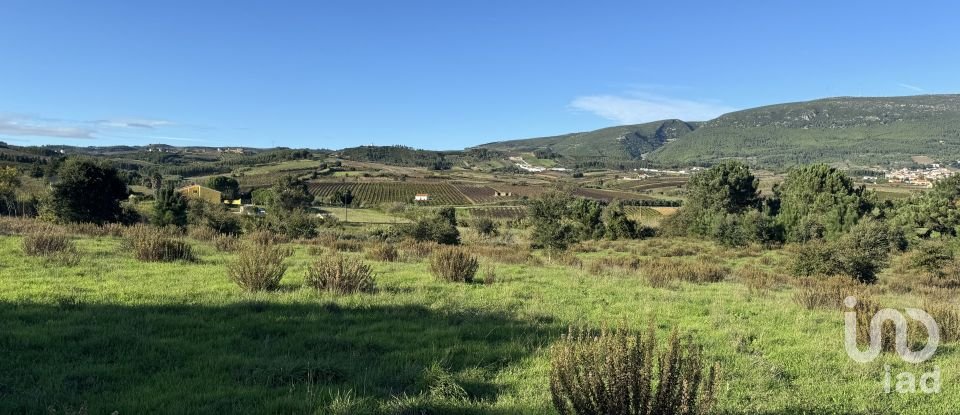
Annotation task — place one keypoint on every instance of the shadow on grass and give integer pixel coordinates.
(256, 357)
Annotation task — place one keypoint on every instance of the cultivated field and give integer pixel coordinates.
(372, 194)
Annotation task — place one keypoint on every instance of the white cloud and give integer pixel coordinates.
(31, 127)
(134, 123)
(912, 87)
(636, 108)
(37, 126)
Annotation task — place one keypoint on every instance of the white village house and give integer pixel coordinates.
(421, 197)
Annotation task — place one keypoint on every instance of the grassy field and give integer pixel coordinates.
(114, 334)
(365, 216)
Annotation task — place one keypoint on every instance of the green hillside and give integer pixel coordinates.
(856, 131)
(860, 131)
(626, 142)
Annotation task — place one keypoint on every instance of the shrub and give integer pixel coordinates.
(662, 271)
(51, 243)
(45, 241)
(384, 252)
(265, 238)
(259, 266)
(485, 226)
(413, 249)
(505, 254)
(859, 254)
(437, 229)
(827, 293)
(489, 274)
(756, 279)
(340, 274)
(453, 264)
(947, 317)
(226, 243)
(617, 372)
(931, 256)
(296, 225)
(201, 233)
(149, 243)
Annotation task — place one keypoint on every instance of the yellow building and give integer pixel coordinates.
(201, 192)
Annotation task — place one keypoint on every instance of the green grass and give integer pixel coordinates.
(291, 165)
(365, 216)
(115, 334)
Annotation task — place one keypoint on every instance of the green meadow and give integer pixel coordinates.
(114, 334)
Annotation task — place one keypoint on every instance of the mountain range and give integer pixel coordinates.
(856, 131)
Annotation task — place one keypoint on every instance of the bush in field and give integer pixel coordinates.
(295, 225)
(153, 244)
(264, 238)
(259, 266)
(437, 229)
(413, 249)
(859, 254)
(340, 274)
(384, 252)
(485, 226)
(453, 264)
(617, 372)
(226, 243)
(662, 271)
(52, 243)
(826, 292)
(931, 256)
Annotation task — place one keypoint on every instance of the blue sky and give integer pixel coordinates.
(440, 74)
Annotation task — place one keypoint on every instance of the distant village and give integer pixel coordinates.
(924, 177)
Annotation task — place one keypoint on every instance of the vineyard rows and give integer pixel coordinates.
(371, 194)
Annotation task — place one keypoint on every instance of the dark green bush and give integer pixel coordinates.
(435, 229)
(485, 226)
(859, 254)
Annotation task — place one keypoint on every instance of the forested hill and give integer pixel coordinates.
(626, 142)
(859, 131)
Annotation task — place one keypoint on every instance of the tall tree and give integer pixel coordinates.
(87, 191)
(229, 186)
(170, 208)
(819, 198)
(728, 187)
(552, 227)
(9, 182)
(290, 194)
(616, 222)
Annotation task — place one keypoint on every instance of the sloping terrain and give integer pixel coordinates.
(862, 131)
(627, 142)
